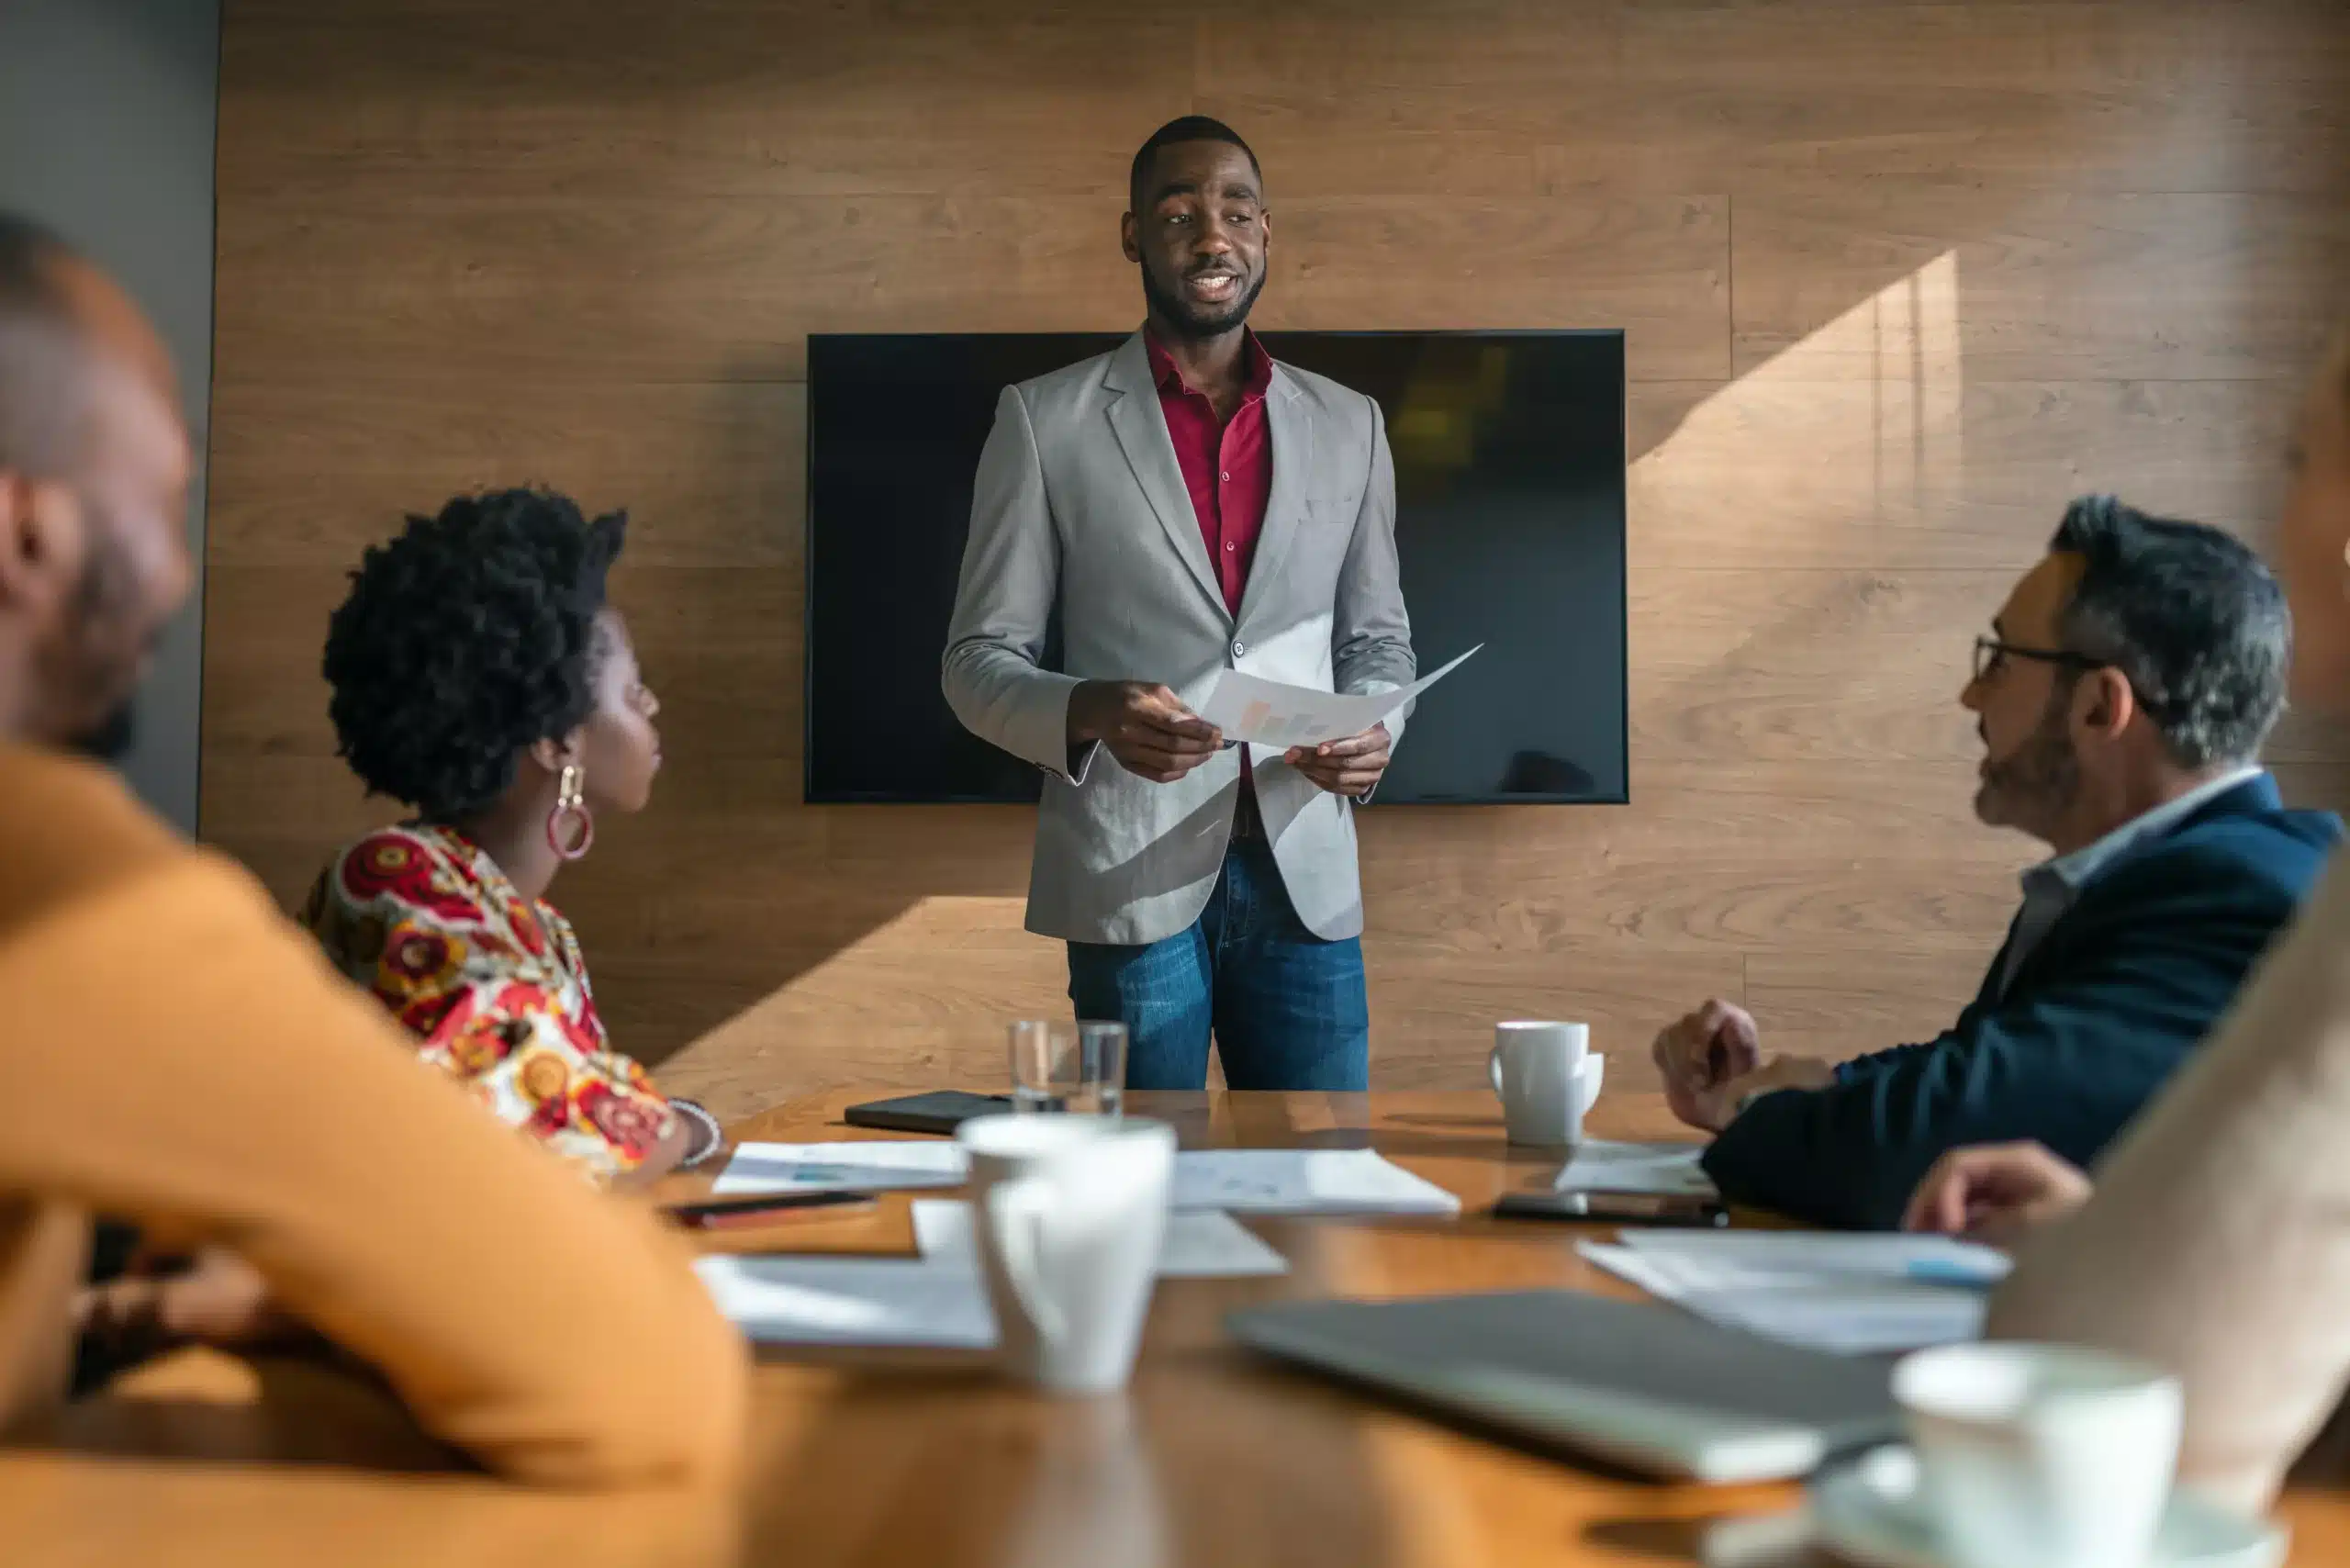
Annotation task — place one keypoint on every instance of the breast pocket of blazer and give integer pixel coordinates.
(1334, 511)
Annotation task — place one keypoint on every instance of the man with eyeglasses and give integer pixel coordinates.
(2122, 697)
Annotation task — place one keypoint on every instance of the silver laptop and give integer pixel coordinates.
(1640, 1385)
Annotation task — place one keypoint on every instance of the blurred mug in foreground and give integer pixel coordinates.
(2041, 1456)
(1069, 1212)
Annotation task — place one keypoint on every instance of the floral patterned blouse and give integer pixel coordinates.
(493, 987)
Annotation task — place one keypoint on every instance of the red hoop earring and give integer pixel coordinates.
(570, 801)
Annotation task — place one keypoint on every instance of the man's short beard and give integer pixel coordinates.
(2036, 782)
(1183, 318)
(107, 595)
(109, 740)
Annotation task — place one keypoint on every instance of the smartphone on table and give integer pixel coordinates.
(939, 1111)
(1579, 1206)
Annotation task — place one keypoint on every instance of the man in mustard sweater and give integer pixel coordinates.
(184, 1059)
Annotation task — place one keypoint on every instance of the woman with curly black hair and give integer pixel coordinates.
(480, 676)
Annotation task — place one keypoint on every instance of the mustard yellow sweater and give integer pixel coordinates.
(2217, 1244)
(179, 1055)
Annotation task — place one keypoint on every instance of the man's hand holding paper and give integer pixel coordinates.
(1351, 766)
(1299, 719)
(1146, 726)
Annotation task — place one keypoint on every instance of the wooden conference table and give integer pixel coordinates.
(925, 1458)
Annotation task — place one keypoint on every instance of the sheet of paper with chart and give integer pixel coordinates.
(1207, 1245)
(1303, 1181)
(1852, 1294)
(1271, 713)
(876, 1165)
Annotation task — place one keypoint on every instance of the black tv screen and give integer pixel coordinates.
(1509, 524)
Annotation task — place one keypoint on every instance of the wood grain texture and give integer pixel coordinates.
(712, 475)
(1212, 1456)
(1838, 1005)
(1959, 474)
(1899, 278)
(727, 98)
(700, 289)
(2173, 286)
(1670, 92)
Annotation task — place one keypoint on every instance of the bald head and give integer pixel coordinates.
(41, 397)
(94, 470)
(63, 325)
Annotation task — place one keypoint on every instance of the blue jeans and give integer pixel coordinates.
(1288, 1009)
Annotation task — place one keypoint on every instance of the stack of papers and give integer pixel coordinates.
(1853, 1295)
(1669, 1169)
(939, 1299)
(1243, 1181)
(1304, 1182)
(850, 1301)
(1204, 1245)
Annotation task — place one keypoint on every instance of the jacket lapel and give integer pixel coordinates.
(1987, 994)
(1141, 429)
(2251, 798)
(1290, 428)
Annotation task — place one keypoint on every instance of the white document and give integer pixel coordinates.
(850, 1301)
(1249, 1180)
(1852, 1294)
(1601, 1165)
(1847, 1318)
(1886, 1320)
(1202, 1246)
(1303, 1181)
(1272, 712)
(842, 1167)
(1819, 1255)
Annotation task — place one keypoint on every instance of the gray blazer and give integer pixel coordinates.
(1080, 510)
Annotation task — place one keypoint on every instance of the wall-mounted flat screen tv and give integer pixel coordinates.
(1509, 521)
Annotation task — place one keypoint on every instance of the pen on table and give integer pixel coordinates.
(779, 1208)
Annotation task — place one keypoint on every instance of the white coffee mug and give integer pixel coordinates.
(2041, 1456)
(1548, 1080)
(1069, 1212)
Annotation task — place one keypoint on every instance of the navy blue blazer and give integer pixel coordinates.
(2098, 1015)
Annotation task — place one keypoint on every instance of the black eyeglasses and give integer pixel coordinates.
(1990, 653)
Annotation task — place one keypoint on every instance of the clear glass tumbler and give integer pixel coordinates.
(1077, 1067)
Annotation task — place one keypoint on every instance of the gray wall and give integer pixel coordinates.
(107, 117)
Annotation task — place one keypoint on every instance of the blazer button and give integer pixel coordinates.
(1239, 650)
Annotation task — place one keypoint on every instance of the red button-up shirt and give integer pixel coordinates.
(1228, 466)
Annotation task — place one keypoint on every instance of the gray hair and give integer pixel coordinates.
(2190, 616)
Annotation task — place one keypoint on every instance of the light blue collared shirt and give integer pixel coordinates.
(2050, 887)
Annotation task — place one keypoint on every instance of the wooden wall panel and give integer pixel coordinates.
(2205, 448)
(710, 474)
(1899, 279)
(2057, 283)
(669, 288)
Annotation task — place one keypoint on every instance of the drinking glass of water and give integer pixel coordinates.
(1079, 1068)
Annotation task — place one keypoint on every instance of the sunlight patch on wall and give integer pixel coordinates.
(1857, 428)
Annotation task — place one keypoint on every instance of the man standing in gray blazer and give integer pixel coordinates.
(1184, 505)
